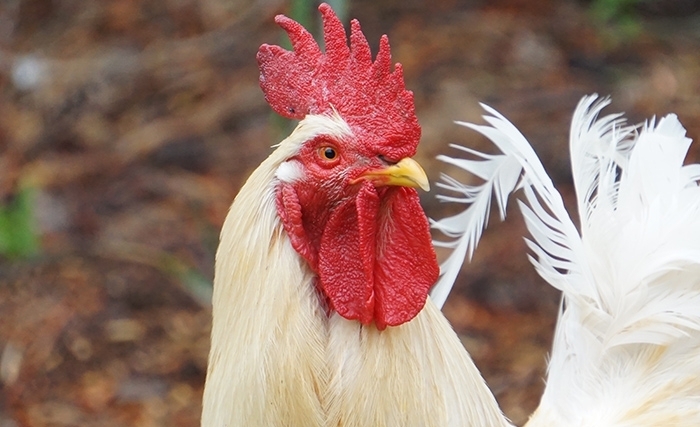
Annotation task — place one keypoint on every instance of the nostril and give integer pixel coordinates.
(386, 161)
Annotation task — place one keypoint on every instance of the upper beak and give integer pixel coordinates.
(406, 173)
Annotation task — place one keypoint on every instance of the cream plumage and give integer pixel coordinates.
(321, 315)
(626, 349)
(278, 359)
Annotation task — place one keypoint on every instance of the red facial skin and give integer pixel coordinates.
(370, 246)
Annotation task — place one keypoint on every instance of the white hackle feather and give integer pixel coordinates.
(626, 350)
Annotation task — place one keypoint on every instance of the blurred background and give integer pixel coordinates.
(127, 127)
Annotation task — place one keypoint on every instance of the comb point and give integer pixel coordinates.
(382, 65)
(303, 42)
(361, 53)
(334, 36)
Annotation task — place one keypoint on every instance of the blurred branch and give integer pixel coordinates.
(189, 278)
(617, 17)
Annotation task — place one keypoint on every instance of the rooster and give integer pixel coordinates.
(626, 348)
(321, 314)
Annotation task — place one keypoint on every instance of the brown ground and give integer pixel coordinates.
(144, 118)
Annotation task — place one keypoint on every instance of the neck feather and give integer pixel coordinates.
(277, 358)
(417, 373)
(268, 328)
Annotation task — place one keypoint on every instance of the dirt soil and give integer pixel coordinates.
(133, 123)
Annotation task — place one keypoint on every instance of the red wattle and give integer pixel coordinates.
(406, 265)
(376, 261)
(346, 257)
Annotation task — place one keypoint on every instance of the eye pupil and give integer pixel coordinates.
(329, 153)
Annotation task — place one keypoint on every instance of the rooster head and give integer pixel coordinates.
(347, 195)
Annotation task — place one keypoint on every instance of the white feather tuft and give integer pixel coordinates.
(627, 345)
(289, 171)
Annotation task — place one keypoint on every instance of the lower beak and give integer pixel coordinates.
(405, 173)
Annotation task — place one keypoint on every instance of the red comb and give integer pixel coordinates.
(368, 95)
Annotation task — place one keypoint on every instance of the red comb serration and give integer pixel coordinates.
(371, 98)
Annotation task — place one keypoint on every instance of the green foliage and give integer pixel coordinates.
(193, 282)
(18, 236)
(341, 8)
(302, 11)
(618, 16)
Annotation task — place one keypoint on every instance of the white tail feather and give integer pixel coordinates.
(629, 325)
(500, 173)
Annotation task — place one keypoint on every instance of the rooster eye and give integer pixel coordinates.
(328, 153)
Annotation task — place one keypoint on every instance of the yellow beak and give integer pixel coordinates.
(406, 173)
